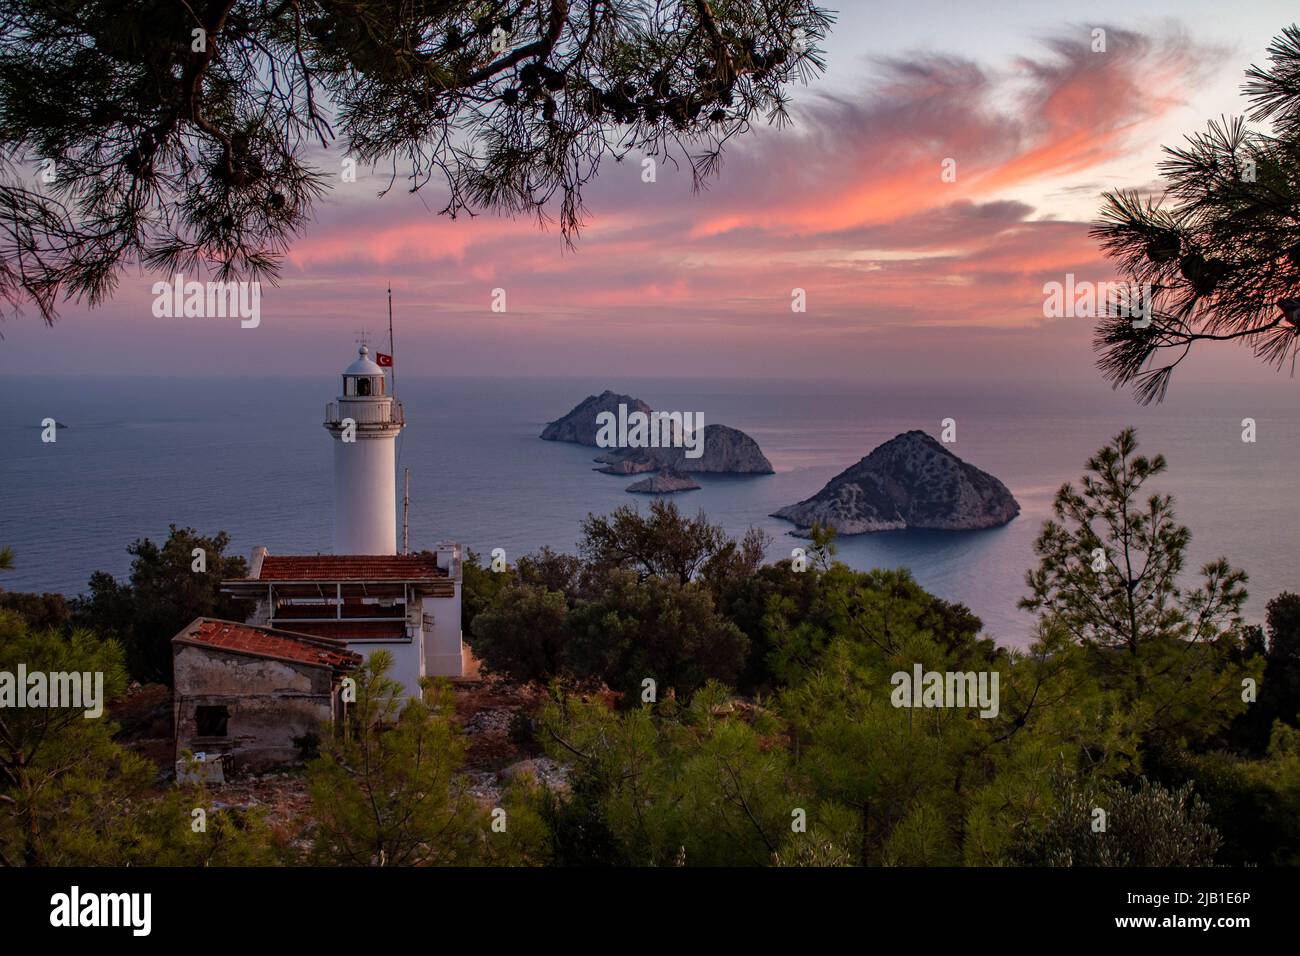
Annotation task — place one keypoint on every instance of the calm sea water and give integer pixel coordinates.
(250, 457)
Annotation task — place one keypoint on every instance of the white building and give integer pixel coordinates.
(365, 593)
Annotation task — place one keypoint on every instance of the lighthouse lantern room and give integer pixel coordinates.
(365, 422)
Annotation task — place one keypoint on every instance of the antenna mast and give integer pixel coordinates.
(406, 511)
(391, 350)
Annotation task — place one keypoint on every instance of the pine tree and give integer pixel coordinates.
(1108, 574)
(1219, 249)
(680, 783)
(71, 795)
(388, 790)
(164, 593)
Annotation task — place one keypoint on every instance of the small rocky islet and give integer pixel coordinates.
(665, 482)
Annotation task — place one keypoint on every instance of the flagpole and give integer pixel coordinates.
(391, 351)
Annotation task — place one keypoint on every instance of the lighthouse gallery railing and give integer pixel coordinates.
(368, 413)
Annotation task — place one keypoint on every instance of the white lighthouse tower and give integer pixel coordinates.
(365, 423)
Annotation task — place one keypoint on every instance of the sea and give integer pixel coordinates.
(250, 456)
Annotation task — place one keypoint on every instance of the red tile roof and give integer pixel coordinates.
(267, 642)
(354, 630)
(351, 567)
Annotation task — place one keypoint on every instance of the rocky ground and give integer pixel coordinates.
(490, 711)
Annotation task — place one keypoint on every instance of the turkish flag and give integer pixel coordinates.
(385, 361)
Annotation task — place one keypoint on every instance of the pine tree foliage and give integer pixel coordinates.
(72, 795)
(188, 136)
(389, 789)
(1219, 246)
(1148, 825)
(1110, 564)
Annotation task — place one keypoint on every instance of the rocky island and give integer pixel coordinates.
(726, 450)
(664, 483)
(580, 427)
(911, 481)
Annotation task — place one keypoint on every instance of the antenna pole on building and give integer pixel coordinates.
(391, 351)
(406, 512)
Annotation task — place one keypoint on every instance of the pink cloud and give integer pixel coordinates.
(849, 205)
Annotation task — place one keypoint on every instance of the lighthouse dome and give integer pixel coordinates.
(364, 378)
(364, 365)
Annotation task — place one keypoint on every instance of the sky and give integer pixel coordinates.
(906, 276)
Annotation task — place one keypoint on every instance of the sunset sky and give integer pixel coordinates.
(906, 276)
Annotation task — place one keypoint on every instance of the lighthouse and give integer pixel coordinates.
(363, 598)
(364, 423)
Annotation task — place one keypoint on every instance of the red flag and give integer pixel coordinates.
(385, 361)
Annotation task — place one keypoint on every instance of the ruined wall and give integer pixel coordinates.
(269, 703)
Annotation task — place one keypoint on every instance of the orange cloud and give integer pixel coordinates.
(849, 206)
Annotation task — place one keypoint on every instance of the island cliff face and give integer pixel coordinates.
(726, 450)
(579, 426)
(911, 481)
